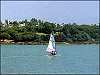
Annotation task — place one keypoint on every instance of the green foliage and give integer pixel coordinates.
(65, 32)
(4, 36)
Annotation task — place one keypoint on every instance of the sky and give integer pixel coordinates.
(81, 12)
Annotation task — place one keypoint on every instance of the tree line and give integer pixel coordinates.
(39, 30)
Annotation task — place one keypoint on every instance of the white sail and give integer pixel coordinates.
(51, 47)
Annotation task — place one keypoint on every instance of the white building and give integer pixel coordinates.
(22, 25)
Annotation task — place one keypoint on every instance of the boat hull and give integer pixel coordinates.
(52, 53)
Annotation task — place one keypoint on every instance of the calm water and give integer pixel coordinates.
(31, 59)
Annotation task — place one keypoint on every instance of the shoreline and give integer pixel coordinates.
(44, 43)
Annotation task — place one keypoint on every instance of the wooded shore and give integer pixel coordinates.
(38, 31)
(44, 42)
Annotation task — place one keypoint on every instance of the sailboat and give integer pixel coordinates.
(51, 49)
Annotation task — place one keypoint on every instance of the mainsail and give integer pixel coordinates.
(51, 47)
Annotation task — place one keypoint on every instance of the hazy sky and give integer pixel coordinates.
(54, 11)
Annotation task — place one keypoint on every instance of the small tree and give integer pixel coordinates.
(4, 36)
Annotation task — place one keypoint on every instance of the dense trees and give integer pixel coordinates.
(38, 30)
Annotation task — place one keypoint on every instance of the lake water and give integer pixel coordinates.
(32, 59)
